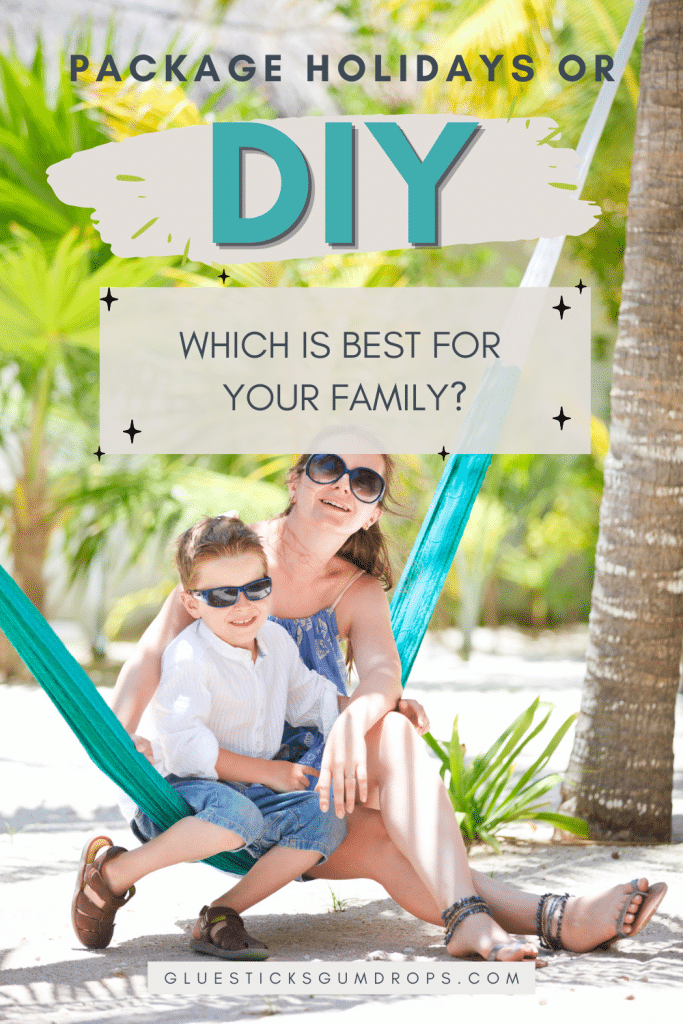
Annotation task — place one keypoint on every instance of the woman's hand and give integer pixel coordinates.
(143, 746)
(415, 713)
(363, 618)
(344, 763)
(286, 776)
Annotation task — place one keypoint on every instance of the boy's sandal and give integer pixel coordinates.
(551, 909)
(457, 913)
(231, 940)
(94, 926)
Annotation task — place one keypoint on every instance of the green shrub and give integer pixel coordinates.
(483, 793)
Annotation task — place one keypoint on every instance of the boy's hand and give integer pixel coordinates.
(143, 746)
(286, 777)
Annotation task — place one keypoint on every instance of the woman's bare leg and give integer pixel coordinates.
(587, 920)
(368, 852)
(419, 821)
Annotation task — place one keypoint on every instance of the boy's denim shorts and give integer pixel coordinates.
(262, 817)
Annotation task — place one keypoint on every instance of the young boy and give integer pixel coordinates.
(228, 683)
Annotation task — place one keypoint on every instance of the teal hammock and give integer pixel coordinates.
(103, 736)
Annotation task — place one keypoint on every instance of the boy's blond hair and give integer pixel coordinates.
(214, 537)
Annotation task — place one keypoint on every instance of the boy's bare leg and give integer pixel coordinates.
(189, 839)
(192, 839)
(277, 867)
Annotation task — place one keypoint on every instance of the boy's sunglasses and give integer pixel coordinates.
(366, 484)
(224, 597)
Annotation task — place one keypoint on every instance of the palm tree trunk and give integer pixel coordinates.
(29, 538)
(621, 770)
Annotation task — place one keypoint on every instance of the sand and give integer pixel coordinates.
(52, 799)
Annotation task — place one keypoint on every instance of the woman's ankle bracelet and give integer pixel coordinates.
(458, 911)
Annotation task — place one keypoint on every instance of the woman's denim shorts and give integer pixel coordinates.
(262, 817)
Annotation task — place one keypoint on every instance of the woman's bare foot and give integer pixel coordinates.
(479, 933)
(591, 920)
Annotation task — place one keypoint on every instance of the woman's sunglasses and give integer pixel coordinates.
(366, 484)
(224, 597)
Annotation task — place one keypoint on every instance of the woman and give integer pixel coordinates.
(402, 832)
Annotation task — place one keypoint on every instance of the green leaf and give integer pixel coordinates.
(500, 765)
(434, 745)
(489, 838)
(545, 756)
(133, 602)
(205, 493)
(521, 806)
(576, 826)
(457, 765)
(250, 275)
(508, 766)
(520, 723)
(17, 203)
(482, 794)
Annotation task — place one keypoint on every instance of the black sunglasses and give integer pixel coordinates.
(224, 597)
(366, 484)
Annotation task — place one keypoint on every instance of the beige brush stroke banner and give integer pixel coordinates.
(248, 370)
(504, 188)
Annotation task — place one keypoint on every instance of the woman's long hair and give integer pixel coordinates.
(365, 548)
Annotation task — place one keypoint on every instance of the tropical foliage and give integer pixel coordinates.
(485, 793)
(528, 551)
(52, 266)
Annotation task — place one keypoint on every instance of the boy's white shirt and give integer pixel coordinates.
(213, 695)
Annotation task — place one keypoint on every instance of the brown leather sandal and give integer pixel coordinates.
(94, 926)
(231, 941)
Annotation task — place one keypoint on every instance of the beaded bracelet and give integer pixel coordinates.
(548, 906)
(461, 909)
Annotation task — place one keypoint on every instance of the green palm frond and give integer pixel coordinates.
(49, 296)
(39, 126)
(545, 30)
(154, 499)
